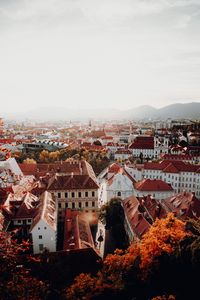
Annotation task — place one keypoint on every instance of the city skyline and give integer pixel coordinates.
(94, 54)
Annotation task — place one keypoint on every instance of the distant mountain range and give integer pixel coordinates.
(145, 112)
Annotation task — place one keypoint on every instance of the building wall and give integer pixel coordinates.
(85, 200)
(182, 181)
(157, 195)
(43, 236)
(121, 187)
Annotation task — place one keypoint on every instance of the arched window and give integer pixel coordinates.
(119, 194)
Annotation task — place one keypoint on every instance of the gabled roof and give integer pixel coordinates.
(136, 220)
(46, 211)
(142, 142)
(70, 182)
(184, 205)
(77, 233)
(169, 166)
(28, 208)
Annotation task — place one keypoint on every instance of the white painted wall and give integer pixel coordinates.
(48, 239)
(121, 183)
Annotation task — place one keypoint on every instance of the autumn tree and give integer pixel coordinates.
(16, 280)
(130, 273)
(29, 161)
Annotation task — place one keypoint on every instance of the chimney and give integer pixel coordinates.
(72, 174)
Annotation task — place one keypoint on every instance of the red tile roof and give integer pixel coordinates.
(169, 166)
(152, 185)
(77, 233)
(71, 182)
(180, 157)
(123, 151)
(143, 142)
(184, 205)
(136, 220)
(114, 168)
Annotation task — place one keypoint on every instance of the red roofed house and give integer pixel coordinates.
(135, 223)
(140, 213)
(149, 146)
(77, 189)
(188, 158)
(184, 205)
(181, 176)
(123, 154)
(115, 182)
(44, 225)
(77, 233)
(159, 189)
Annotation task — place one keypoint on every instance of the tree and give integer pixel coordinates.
(44, 156)
(128, 274)
(29, 161)
(16, 280)
(163, 236)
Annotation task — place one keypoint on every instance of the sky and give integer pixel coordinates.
(98, 53)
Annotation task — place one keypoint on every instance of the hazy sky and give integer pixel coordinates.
(98, 53)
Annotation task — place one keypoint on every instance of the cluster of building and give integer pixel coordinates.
(35, 198)
(151, 170)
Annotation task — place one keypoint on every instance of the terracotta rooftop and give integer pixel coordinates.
(184, 205)
(169, 166)
(123, 151)
(143, 142)
(152, 185)
(77, 233)
(135, 218)
(46, 211)
(70, 182)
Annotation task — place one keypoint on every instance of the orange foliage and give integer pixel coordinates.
(163, 236)
(85, 287)
(171, 297)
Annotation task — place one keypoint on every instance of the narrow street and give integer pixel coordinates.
(100, 239)
(104, 241)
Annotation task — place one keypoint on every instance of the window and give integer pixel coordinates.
(45, 228)
(38, 228)
(86, 194)
(93, 194)
(29, 221)
(93, 203)
(73, 205)
(79, 194)
(119, 194)
(59, 195)
(66, 205)
(79, 204)
(40, 237)
(59, 205)
(41, 247)
(66, 195)
(86, 204)
(73, 194)
(19, 221)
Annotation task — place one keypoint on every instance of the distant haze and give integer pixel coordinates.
(89, 54)
(145, 112)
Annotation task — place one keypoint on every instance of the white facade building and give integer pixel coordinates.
(44, 225)
(181, 176)
(114, 182)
